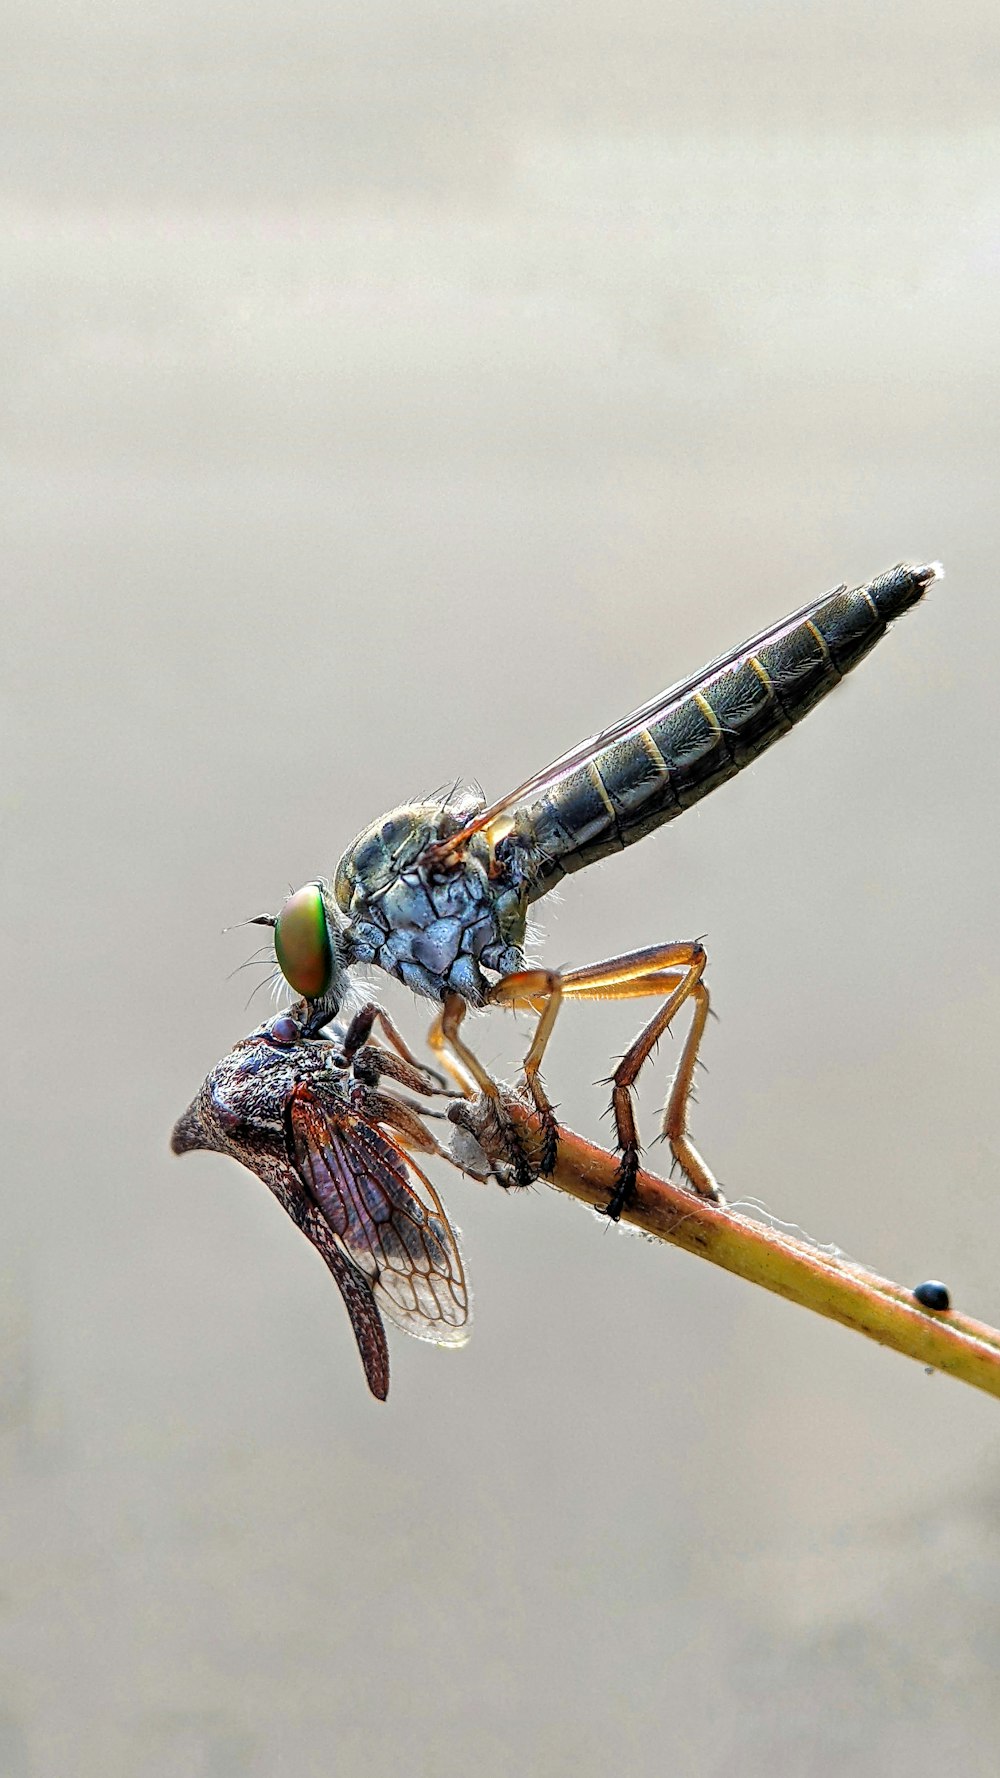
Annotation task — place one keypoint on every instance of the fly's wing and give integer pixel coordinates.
(361, 1306)
(384, 1216)
(627, 725)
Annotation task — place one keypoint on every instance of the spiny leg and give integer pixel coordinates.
(455, 1057)
(406, 1120)
(468, 1072)
(370, 1061)
(688, 986)
(419, 1076)
(527, 988)
(675, 1115)
(654, 970)
(674, 970)
(398, 1041)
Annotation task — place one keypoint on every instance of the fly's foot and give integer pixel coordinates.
(549, 1150)
(623, 1195)
(696, 1173)
(518, 1165)
(519, 1161)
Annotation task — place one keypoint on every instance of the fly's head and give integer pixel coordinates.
(309, 949)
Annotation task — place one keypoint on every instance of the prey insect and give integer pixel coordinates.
(323, 1124)
(437, 893)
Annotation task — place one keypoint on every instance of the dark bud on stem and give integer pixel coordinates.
(933, 1295)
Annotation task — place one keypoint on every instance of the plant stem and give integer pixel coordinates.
(873, 1306)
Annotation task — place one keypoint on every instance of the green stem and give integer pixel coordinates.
(873, 1306)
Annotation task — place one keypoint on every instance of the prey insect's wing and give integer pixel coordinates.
(618, 731)
(384, 1215)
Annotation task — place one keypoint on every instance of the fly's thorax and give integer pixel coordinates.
(434, 925)
(393, 844)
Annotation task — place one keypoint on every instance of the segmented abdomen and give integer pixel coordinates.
(708, 729)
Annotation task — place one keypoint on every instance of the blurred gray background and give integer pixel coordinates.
(401, 392)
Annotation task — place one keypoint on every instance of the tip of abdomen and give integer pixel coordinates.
(902, 587)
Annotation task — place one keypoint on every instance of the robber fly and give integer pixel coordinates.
(314, 1118)
(437, 893)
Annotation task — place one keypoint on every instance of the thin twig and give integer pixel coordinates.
(873, 1306)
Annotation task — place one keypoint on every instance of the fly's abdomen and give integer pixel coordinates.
(706, 730)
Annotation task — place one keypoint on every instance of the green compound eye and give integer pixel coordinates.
(302, 943)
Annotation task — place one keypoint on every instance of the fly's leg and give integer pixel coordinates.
(415, 1074)
(370, 1062)
(469, 1074)
(358, 1032)
(674, 970)
(373, 1064)
(675, 1113)
(403, 1049)
(455, 1057)
(689, 987)
(542, 990)
(405, 1119)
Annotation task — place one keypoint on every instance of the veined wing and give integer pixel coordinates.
(625, 727)
(385, 1216)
